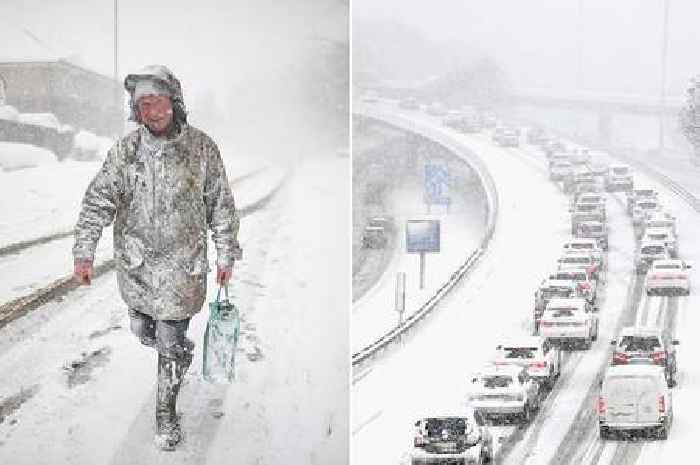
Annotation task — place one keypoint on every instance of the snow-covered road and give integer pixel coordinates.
(78, 388)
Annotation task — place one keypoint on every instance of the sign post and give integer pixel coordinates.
(400, 298)
(422, 236)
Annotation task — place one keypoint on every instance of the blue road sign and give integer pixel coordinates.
(437, 179)
(423, 236)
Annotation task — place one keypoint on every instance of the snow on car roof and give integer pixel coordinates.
(668, 262)
(630, 370)
(658, 230)
(640, 331)
(646, 242)
(582, 241)
(522, 341)
(501, 370)
(573, 302)
(553, 282)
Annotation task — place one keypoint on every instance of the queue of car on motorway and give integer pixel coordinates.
(635, 388)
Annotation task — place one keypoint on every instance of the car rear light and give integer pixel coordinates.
(659, 357)
(419, 440)
(547, 324)
(655, 276)
(500, 363)
(538, 364)
(662, 404)
(602, 405)
(681, 276)
(619, 357)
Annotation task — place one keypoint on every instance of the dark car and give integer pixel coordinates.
(641, 345)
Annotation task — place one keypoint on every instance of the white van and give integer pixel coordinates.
(634, 397)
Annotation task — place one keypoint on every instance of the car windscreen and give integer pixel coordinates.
(658, 236)
(576, 260)
(652, 249)
(551, 292)
(455, 426)
(572, 276)
(497, 381)
(587, 207)
(519, 352)
(669, 266)
(621, 170)
(647, 205)
(639, 343)
(578, 246)
(563, 312)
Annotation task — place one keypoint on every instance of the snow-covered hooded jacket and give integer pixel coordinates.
(163, 195)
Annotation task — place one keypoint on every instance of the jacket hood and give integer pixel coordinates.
(166, 77)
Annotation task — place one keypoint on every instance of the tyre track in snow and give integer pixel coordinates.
(59, 288)
(530, 436)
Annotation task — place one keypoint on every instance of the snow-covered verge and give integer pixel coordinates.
(14, 156)
(80, 389)
(373, 314)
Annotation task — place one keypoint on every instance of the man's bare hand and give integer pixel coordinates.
(83, 271)
(223, 275)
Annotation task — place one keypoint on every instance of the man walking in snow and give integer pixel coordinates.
(163, 185)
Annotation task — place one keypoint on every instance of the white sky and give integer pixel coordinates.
(537, 40)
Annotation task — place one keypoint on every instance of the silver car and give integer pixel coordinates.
(459, 436)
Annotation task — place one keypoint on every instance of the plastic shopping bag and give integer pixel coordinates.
(220, 340)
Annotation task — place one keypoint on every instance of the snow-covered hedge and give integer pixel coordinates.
(89, 146)
(18, 156)
(9, 112)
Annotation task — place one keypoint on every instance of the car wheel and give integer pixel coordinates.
(648, 293)
(525, 416)
(588, 343)
(687, 292)
(604, 433)
(662, 432)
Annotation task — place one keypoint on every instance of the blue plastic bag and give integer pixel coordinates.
(221, 340)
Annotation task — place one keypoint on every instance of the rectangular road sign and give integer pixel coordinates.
(423, 236)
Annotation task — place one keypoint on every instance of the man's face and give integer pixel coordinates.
(156, 112)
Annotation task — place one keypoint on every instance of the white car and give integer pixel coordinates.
(505, 391)
(559, 169)
(590, 245)
(644, 208)
(619, 177)
(570, 321)
(457, 436)
(580, 259)
(634, 397)
(664, 235)
(638, 194)
(542, 360)
(587, 288)
(666, 276)
(648, 252)
(662, 220)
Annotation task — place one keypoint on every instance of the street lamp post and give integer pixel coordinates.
(664, 49)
